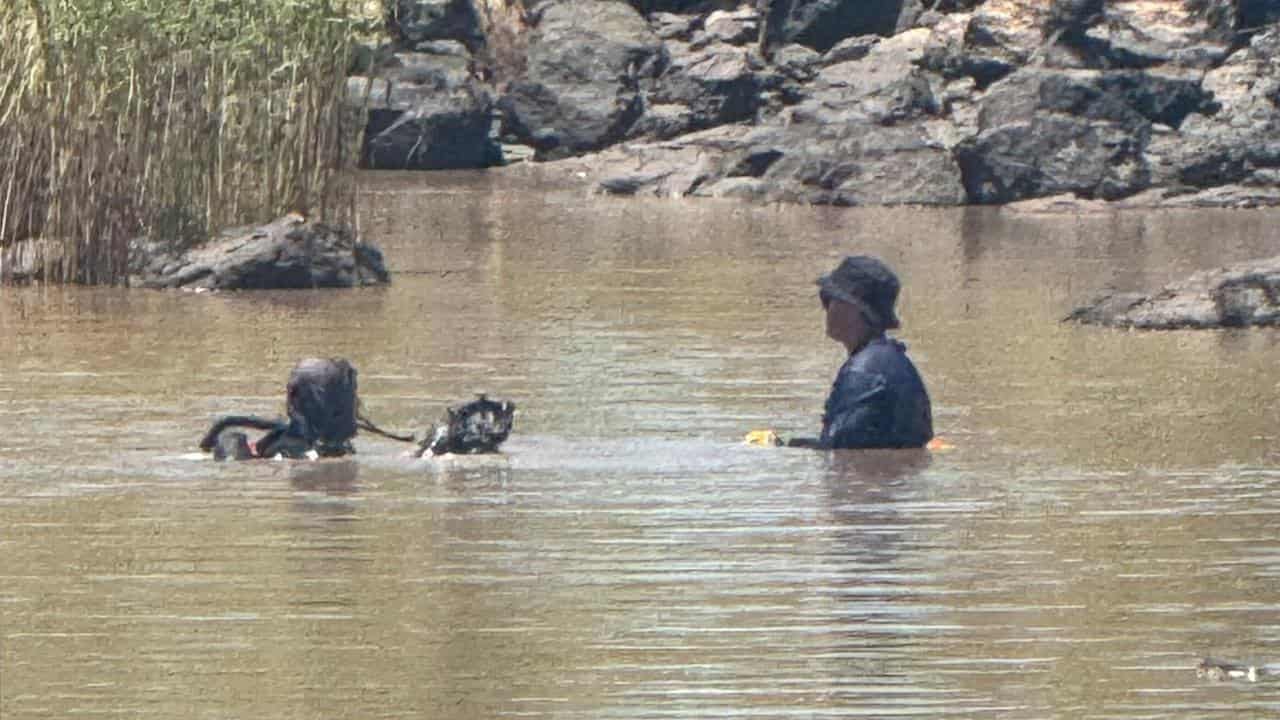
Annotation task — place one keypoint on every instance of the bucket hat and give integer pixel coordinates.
(866, 283)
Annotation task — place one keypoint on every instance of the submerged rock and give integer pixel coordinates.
(1239, 295)
(290, 253)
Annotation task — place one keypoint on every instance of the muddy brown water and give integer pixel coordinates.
(1109, 513)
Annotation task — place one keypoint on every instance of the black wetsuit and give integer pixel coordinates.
(877, 401)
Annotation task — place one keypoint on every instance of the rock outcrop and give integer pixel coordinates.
(426, 111)
(581, 90)
(1161, 102)
(1235, 296)
(290, 253)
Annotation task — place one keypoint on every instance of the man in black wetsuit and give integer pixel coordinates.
(878, 399)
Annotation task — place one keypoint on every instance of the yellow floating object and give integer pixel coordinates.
(938, 443)
(762, 438)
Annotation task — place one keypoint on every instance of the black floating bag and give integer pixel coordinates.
(479, 426)
(323, 404)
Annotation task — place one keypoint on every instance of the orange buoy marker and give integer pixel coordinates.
(939, 445)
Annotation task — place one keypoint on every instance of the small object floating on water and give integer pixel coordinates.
(1219, 671)
(939, 445)
(479, 426)
(762, 438)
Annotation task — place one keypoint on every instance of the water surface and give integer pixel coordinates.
(1108, 515)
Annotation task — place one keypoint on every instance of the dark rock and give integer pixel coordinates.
(1018, 98)
(1133, 98)
(848, 163)
(1239, 295)
(885, 86)
(581, 92)
(821, 24)
(1068, 20)
(1045, 132)
(949, 53)
(1237, 139)
(1051, 154)
(861, 138)
(417, 21)
(717, 85)
(289, 253)
(426, 112)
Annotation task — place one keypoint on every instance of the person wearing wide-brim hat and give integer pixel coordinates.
(878, 399)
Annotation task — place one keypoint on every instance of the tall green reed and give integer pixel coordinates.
(170, 119)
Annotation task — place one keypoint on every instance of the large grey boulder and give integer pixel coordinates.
(668, 6)
(860, 137)
(581, 91)
(289, 253)
(1046, 132)
(855, 163)
(426, 112)
(1239, 295)
(821, 24)
(672, 168)
(701, 88)
(1237, 139)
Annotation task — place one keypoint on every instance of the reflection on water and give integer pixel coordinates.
(1108, 513)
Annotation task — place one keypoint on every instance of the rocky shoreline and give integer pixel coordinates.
(845, 102)
(1241, 295)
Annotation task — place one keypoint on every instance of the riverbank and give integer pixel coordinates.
(166, 122)
(843, 103)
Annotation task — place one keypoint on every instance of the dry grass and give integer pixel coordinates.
(169, 118)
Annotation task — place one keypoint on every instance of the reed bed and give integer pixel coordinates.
(169, 119)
